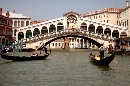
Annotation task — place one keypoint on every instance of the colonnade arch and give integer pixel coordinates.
(20, 35)
(99, 29)
(36, 32)
(28, 34)
(115, 33)
(91, 28)
(52, 28)
(83, 26)
(44, 30)
(107, 31)
(60, 26)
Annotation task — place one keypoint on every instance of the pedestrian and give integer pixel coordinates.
(101, 51)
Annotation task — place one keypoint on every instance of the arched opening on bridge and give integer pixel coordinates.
(115, 33)
(123, 35)
(107, 31)
(99, 30)
(3, 41)
(15, 32)
(52, 28)
(28, 34)
(20, 35)
(60, 26)
(83, 26)
(36, 32)
(91, 28)
(44, 30)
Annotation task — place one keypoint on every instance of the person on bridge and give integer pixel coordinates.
(101, 51)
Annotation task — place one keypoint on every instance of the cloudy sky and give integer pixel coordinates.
(51, 9)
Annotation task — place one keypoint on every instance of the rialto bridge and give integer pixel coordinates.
(70, 21)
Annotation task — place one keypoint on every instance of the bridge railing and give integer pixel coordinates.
(40, 37)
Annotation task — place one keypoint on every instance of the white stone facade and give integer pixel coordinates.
(18, 20)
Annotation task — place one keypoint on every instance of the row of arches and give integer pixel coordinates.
(60, 26)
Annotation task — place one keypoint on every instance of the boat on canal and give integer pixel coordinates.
(102, 62)
(33, 56)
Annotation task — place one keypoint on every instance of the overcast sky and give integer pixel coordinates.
(51, 9)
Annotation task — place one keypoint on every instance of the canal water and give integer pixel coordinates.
(65, 68)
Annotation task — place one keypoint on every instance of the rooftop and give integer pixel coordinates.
(14, 15)
(113, 10)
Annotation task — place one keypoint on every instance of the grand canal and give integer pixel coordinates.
(65, 68)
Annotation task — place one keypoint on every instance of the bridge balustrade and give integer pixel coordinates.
(40, 37)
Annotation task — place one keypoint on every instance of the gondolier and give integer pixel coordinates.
(101, 50)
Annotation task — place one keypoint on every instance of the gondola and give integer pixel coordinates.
(103, 62)
(34, 56)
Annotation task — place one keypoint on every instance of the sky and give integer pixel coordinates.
(52, 9)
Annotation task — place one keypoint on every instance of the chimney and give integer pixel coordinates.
(127, 3)
(0, 11)
(14, 11)
(7, 14)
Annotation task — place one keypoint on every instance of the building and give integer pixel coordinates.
(125, 17)
(107, 15)
(116, 16)
(18, 20)
(5, 28)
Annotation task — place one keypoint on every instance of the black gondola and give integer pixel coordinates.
(103, 62)
(24, 58)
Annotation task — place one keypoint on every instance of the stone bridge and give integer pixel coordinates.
(50, 30)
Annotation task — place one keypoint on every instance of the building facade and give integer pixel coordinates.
(5, 28)
(116, 16)
(18, 20)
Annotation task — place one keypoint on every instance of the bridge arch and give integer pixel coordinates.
(36, 32)
(20, 35)
(83, 26)
(91, 28)
(115, 33)
(28, 34)
(60, 26)
(107, 31)
(44, 30)
(99, 29)
(52, 28)
(91, 40)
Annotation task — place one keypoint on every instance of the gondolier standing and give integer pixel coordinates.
(101, 50)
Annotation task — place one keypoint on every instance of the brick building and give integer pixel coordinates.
(5, 28)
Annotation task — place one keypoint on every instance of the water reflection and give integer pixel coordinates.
(105, 68)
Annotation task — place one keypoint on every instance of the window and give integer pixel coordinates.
(55, 44)
(107, 21)
(52, 44)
